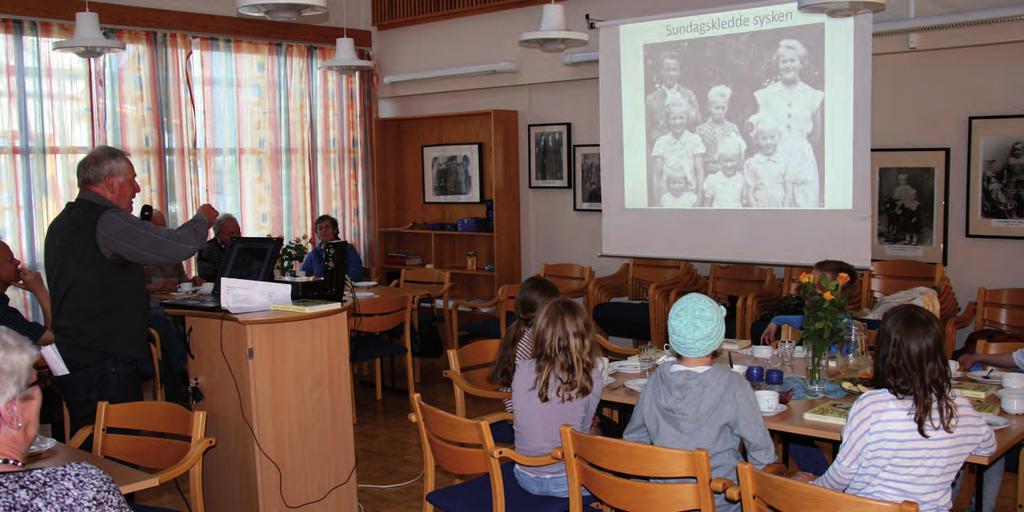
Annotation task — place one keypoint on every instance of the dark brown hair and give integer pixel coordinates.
(533, 294)
(564, 350)
(835, 267)
(910, 361)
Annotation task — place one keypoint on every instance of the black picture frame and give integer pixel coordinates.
(586, 179)
(995, 177)
(439, 161)
(925, 171)
(549, 155)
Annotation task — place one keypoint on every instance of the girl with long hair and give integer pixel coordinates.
(561, 385)
(517, 343)
(906, 439)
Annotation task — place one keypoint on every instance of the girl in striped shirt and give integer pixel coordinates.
(907, 439)
(517, 343)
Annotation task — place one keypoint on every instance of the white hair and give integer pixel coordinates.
(720, 93)
(101, 162)
(794, 46)
(223, 219)
(17, 354)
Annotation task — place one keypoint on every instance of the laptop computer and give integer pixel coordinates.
(250, 258)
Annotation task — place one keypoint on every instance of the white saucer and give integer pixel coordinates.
(957, 374)
(996, 422)
(365, 284)
(624, 366)
(781, 408)
(41, 444)
(361, 295)
(608, 379)
(993, 378)
(636, 384)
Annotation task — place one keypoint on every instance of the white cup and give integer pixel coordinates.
(185, 287)
(602, 365)
(768, 401)
(1012, 403)
(762, 351)
(740, 369)
(1012, 380)
(954, 366)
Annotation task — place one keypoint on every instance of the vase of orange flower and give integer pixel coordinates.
(824, 312)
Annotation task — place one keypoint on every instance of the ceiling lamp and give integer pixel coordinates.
(88, 40)
(345, 59)
(841, 8)
(553, 35)
(281, 10)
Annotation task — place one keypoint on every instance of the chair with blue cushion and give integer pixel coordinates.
(465, 449)
(469, 369)
(633, 281)
(371, 324)
(503, 308)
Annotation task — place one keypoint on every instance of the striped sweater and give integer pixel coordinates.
(524, 351)
(884, 457)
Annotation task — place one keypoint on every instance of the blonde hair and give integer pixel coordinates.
(720, 93)
(731, 144)
(791, 45)
(17, 354)
(564, 350)
(688, 107)
(761, 123)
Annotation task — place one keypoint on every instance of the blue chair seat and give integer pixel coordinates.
(484, 329)
(475, 495)
(503, 432)
(367, 347)
(624, 319)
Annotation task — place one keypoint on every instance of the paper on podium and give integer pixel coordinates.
(53, 359)
(245, 296)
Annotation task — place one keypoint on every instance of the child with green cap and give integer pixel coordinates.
(682, 404)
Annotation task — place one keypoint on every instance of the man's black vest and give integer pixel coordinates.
(99, 304)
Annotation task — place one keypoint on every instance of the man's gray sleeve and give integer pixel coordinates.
(121, 234)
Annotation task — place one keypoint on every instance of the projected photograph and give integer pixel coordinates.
(451, 173)
(587, 179)
(995, 186)
(910, 199)
(736, 121)
(550, 160)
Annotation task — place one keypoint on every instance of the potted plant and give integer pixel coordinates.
(292, 255)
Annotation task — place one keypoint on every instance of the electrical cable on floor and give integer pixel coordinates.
(183, 498)
(391, 486)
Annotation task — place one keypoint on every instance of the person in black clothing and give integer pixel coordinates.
(224, 229)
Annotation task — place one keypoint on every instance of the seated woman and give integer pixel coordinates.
(830, 268)
(327, 231)
(561, 385)
(682, 404)
(907, 439)
(76, 486)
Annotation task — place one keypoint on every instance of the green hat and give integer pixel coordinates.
(696, 325)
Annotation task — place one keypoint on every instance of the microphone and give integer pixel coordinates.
(146, 213)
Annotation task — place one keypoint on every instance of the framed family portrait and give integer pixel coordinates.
(452, 173)
(550, 160)
(910, 202)
(995, 177)
(586, 178)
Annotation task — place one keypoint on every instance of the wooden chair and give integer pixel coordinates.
(571, 279)
(763, 492)
(1001, 309)
(633, 281)
(889, 277)
(370, 320)
(504, 305)
(986, 347)
(154, 353)
(469, 368)
(166, 439)
(662, 295)
(745, 282)
(465, 448)
(609, 468)
(439, 284)
(613, 351)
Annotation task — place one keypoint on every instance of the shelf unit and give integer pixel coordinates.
(398, 173)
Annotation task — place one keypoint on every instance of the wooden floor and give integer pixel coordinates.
(388, 451)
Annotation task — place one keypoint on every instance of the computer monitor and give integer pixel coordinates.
(251, 258)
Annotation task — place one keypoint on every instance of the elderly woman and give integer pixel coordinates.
(77, 486)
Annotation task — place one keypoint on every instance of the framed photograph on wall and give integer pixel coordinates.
(586, 191)
(995, 177)
(452, 173)
(910, 204)
(550, 160)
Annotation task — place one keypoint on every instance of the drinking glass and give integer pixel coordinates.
(786, 348)
(647, 356)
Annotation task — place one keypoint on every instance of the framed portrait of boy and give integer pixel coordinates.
(452, 173)
(995, 177)
(550, 159)
(586, 191)
(910, 204)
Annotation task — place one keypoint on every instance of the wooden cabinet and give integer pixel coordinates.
(398, 177)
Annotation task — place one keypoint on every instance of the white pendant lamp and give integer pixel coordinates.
(345, 59)
(281, 10)
(841, 8)
(554, 35)
(88, 41)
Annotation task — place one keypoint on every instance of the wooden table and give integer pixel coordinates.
(128, 479)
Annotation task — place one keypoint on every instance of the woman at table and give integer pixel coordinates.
(906, 439)
(77, 486)
(691, 404)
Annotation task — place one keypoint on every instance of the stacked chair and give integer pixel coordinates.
(739, 285)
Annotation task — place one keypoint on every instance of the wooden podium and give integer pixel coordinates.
(288, 375)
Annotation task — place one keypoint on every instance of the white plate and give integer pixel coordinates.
(365, 284)
(781, 408)
(636, 384)
(624, 366)
(996, 422)
(361, 295)
(41, 444)
(994, 378)
(179, 294)
(608, 379)
(957, 374)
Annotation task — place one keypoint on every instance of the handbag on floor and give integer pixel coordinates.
(426, 339)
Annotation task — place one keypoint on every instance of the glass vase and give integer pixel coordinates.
(817, 371)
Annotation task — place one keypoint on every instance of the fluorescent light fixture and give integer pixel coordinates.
(572, 59)
(505, 66)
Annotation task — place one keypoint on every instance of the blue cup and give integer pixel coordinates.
(773, 377)
(755, 373)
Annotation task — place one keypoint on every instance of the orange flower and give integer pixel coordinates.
(828, 295)
(806, 278)
(843, 278)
